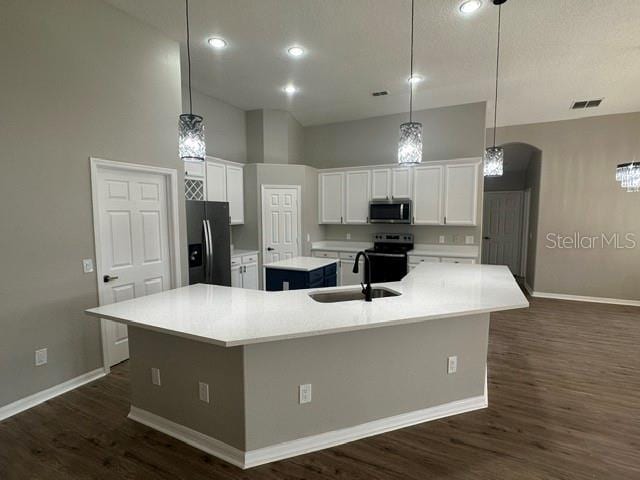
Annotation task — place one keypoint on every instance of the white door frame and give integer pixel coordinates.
(171, 178)
(526, 210)
(263, 247)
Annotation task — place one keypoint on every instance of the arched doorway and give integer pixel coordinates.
(510, 212)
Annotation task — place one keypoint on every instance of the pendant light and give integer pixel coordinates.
(410, 143)
(494, 156)
(190, 128)
(628, 174)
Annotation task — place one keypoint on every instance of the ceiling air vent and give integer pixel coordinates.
(579, 105)
(381, 93)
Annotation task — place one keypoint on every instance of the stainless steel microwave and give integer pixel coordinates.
(390, 211)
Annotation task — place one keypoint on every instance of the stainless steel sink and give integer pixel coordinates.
(350, 295)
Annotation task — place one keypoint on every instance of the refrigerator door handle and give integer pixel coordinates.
(206, 250)
(210, 254)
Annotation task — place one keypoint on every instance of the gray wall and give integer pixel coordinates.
(79, 79)
(509, 181)
(274, 136)
(578, 193)
(448, 132)
(225, 126)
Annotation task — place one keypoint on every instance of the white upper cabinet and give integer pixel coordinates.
(401, 182)
(331, 193)
(225, 184)
(216, 182)
(427, 195)
(357, 196)
(381, 184)
(235, 194)
(461, 194)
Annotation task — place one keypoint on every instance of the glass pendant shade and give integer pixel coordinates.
(410, 144)
(493, 162)
(628, 174)
(191, 137)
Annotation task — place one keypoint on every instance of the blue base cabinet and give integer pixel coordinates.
(278, 279)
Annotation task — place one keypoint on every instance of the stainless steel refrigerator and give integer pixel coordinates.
(209, 240)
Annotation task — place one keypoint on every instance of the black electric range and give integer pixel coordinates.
(388, 256)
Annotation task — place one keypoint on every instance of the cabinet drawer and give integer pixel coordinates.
(458, 260)
(253, 258)
(325, 254)
(194, 169)
(348, 255)
(415, 259)
(236, 261)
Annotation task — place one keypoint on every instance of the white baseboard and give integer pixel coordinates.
(52, 392)
(528, 288)
(580, 298)
(253, 458)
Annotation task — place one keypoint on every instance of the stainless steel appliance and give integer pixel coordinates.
(389, 256)
(209, 242)
(390, 211)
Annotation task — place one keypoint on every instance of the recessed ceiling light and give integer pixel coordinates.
(414, 79)
(295, 51)
(217, 42)
(470, 6)
(290, 89)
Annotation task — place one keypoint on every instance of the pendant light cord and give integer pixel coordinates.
(495, 108)
(411, 68)
(189, 57)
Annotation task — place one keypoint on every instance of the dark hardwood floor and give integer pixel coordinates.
(564, 403)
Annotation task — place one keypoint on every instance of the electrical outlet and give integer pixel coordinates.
(348, 236)
(452, 364)
(469, 239)
(155, 376)
(41, 357)
(308, 237)
(87, 265)
(441, 239)
(285, 285)
(304, 393)
(203, 391)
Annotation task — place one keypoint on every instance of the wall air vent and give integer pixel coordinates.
(579, 105)
(381, 93)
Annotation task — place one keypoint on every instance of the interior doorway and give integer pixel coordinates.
(281, 222)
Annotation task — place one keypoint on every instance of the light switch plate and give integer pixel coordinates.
(155, 376)
(441, 239)
(469, 239)
(203, 391)
(285, 285)
(41, 357)
(348, 236)
(452, 364)
(87, 265)
(304, 393)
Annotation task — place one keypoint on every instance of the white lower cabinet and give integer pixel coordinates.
(347, 277)
(415, 260)
(244, 271)
(458, 260)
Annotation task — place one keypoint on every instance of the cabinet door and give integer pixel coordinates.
(250, 276)
(381, 184)
(357, 196)
(235, 194)
(331, 193)
(216, 182)
(461, 194)
(236, 276)
(427, 195)
(458, 260)
(401, 182)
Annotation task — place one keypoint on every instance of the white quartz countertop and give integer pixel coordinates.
(236, 252)
(304, 264)
(230, 317)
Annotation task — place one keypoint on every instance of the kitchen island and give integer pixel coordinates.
(287, 374)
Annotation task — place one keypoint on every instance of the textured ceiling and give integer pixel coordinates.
(554, 52)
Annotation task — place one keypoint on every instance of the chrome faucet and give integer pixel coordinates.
(367, 274)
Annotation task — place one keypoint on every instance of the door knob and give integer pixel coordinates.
(108, 278)
(270, 249)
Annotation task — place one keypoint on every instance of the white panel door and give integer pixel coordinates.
(250, 276)
(235, 194)
(357, 196)
(280, 235)
(461, 194)
(134, 244)
(427, 195)
(331, 193)
(381, 184)
(216, 182)
(236, 276)
(401, 182)
(502, 229)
